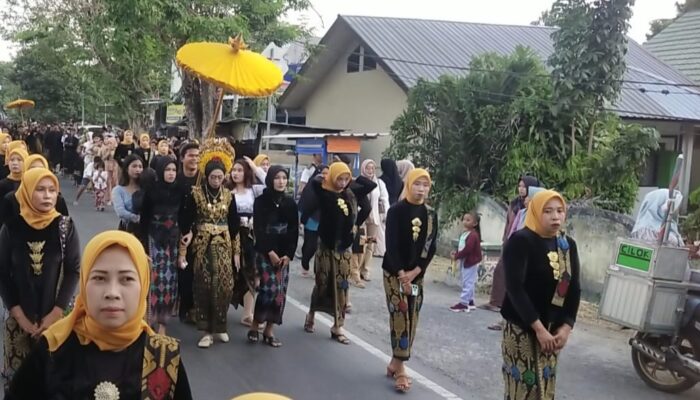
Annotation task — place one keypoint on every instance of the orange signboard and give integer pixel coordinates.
(343, 144)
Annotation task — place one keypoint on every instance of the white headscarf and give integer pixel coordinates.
(651, 218)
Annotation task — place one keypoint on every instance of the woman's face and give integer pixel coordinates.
(16, 164)
(170, 173)
(128, 136)
(145, 142)
(265, 165)
(280, 182)
(553, 216)
(238, 173)
(216, 178)
(370, 169)
(135, 169)
(163, 148)
(113, 288)
(112, 143)
(342, 181)
(45, 195)
(420, 188)
(522, 189)
(325, 172)
(4, 143)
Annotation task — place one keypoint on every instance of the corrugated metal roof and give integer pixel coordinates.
(412, 49)
(679, 44)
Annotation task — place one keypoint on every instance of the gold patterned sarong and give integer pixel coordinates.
(528, 373)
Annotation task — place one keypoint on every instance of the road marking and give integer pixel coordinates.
(436, 388)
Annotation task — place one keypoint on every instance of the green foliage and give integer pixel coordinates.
(481, 132)
(691, 224)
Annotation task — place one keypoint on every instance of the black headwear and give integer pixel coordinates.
(519, 202)
(392, 179)
(270, 181)
(214, 165)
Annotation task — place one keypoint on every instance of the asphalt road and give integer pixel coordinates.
(455, 357)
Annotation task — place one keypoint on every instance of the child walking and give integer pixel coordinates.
(468, 257)
(99, 184)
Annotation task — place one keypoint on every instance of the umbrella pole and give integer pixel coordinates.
(21, 115)
(212, 130)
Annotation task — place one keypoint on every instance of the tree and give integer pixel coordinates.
(588, 62)
(658, 25)
(133, 42)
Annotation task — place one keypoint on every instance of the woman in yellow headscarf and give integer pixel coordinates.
(125, 148)
(144, 150)
(543, 293)
(5, 138)
(336, 199)
(119, 355)
(40, 255)
(35, 161)
(411, 239)
(15, 158)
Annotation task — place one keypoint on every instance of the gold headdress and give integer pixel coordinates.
(218, 149)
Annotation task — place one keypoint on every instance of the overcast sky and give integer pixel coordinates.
(519, 12)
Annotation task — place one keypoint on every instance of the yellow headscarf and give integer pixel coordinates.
(334, 171)
(17, 176)
(35, 218)
(128, 141)
(536, 208)
(3, 137)
(411, 177)
(258, 160)
(32, 158)
(145, 136)
(15, 144)
(78, 321)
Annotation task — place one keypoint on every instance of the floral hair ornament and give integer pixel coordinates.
(217, 149)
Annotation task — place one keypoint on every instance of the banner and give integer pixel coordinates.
(175, 113)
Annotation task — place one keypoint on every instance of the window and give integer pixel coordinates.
(361, 59)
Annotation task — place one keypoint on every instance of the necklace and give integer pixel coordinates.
(212, 200)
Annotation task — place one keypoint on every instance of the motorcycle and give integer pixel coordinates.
(671, 363)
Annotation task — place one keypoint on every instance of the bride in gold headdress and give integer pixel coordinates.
(210, 213)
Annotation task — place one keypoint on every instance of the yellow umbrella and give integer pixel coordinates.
(231, 67)
(20, 104)
(261, 396)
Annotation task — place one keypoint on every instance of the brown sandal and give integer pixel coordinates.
(340, 338)
(309, 324)
(403, 383)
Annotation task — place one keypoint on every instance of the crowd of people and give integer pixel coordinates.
(200, 230)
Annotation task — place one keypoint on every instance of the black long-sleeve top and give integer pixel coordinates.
(4, 170)
(402, 252)
(73, 371)
(335, 229)
(190, 214)
(123, 151)
(276, 224)
(20, 285)
(7, 186)
(146, 155)
(530, 282)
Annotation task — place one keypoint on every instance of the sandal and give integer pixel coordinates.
(340, 338)
(253, 336)
(309, 324)
(271, 341)
(403, 383)
(390, 373)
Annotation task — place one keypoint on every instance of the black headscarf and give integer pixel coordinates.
(392, 179)
(519, 202)
(165, 193)
(270, 182)
(212, 166)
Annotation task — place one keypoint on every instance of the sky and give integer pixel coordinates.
(518, 12)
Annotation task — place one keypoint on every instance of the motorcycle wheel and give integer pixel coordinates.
(658, 376)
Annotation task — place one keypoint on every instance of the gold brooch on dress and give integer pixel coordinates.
(106, 391)
(37, 256)
(416, 222)
(554, 263)
(343, 206)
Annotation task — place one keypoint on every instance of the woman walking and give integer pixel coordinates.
(210, 212)
(126, 148)
(40, 255)
(122, 195)
(276, 236)
(310, 245)
(245, 192)
(379, 202)
(15, 162)
(104, 349)
(543, 293)
(337, 204)
(159, 220)
(411, 233)
(5, 138)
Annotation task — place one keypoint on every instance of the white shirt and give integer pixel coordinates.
(307, 174)
(89, 169)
